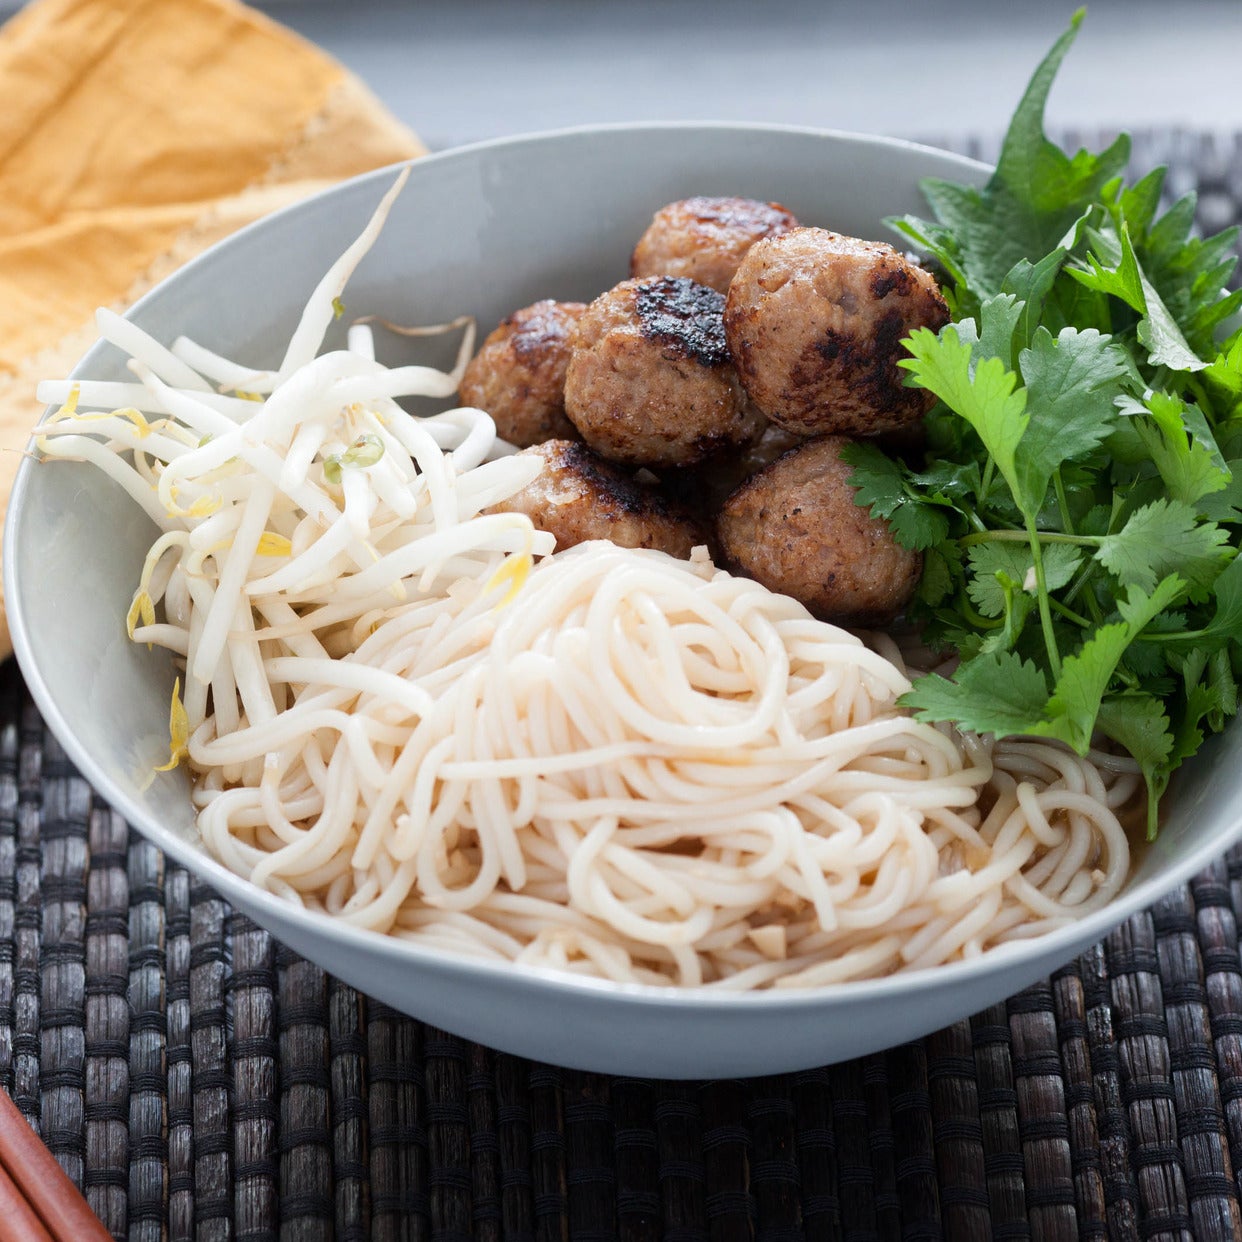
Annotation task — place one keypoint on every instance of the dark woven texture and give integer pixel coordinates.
(200, 1081)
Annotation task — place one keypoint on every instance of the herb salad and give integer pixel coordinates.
(1079, 508)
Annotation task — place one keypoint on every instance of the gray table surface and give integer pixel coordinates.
(459, 72)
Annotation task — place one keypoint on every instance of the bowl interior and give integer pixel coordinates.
(481, 231)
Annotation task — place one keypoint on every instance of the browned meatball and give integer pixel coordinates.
(579, 497)
(518, 376)
(703, 489)
(814, 322)
(650, 382)
(706, 238)
(794, 527)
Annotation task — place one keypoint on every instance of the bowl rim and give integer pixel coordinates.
(270, 908)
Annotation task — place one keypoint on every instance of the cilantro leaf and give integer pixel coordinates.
(997, 693)
(1223, 684)
(1180, 443)
(1061, 562)
(1086, 675)
(937, 580)
(880, 486)
(1226, 504)
(948, 480)
(1211, 697)
(984, 395)
(1140, 608)
(1226, 621)
(1161, 538)
(1072, 382)
(918, 526)
(1139, 723)
(998, 318)
(987, 561)
(1084, 456)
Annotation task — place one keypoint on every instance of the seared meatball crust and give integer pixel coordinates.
(578, 497)
(518, 376)
(794, 527)
(650, 383)
(814, 322)
(706, 238)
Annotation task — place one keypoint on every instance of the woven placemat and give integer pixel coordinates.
(200, 1081)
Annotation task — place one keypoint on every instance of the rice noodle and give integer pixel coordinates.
(404, 712)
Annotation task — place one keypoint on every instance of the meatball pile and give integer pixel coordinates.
(794, 527)
(708, 398)
(814, 323)
(579, 496)
(518, 376)
(706, 239)
(650, 381)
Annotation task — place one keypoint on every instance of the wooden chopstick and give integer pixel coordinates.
(18, 1219)
(38, 1202)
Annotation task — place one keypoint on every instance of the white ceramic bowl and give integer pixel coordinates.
(483, 230)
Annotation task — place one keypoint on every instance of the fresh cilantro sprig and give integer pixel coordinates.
(1079, 507)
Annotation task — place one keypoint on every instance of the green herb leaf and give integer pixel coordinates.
(1033, 200)
(1036, 172)
(1226, 622)
(1180, 443)
(997, 693)
(1072, 383)
(880, 486)
(1084, 454)
(937, 580)
(1031, 283)
(998, 319)
(1086, 675)
(1118, 274)
(1225, 370)
(1159, 331)
(1014, 560)
(1161, 538)
(1139, 723)
(984, 396)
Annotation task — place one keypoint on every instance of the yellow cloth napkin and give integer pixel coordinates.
(133, 134)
